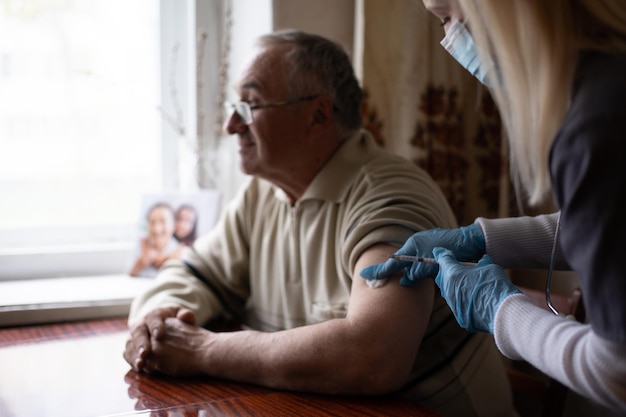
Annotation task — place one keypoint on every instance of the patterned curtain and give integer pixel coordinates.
(421, 104)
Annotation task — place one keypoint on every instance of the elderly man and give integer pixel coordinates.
(323, 202)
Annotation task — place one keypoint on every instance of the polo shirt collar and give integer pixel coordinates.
(335, 178)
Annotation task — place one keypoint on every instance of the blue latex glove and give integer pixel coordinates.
(467, 243)
(474, 293)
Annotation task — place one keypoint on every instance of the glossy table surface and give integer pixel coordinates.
(77, 370)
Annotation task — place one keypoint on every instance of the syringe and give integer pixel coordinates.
(423, 259)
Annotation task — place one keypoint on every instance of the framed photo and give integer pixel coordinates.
(169, 222)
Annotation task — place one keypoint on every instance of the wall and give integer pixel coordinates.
(314, 17)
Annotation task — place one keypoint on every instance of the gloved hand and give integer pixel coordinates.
(474, 293)
(467, 243)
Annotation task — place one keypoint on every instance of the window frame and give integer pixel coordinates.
(97, 250)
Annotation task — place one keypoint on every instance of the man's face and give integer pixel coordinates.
(268, 146)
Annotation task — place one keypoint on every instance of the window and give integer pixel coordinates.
(78, 119)
(89, 92)
(79, 128)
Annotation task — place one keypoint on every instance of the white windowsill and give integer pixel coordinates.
(52, 300)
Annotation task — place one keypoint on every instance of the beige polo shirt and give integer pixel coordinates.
(289, 265)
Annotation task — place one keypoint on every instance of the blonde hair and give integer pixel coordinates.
(534, 44)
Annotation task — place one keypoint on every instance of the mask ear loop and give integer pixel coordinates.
(551, 267)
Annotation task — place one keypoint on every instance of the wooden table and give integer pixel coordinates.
(77, 370)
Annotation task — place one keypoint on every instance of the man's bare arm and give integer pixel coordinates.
(371, 351)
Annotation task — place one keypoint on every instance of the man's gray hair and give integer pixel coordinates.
(321, 66)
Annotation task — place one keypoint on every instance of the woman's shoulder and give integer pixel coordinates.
(600, 84)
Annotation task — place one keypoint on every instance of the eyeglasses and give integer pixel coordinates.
(244, 109)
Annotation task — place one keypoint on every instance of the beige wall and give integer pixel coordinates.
(333, 19)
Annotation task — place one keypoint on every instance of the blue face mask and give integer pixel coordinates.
(459, 43)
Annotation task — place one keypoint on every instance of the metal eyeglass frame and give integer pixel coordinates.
(244, 109)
